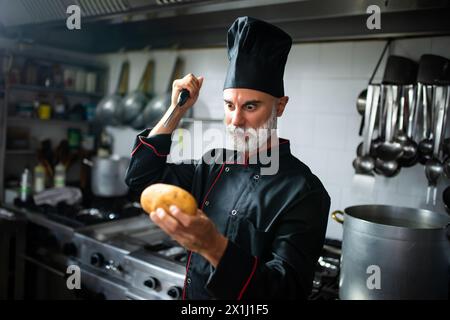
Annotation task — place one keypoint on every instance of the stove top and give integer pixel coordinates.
(93, 210)
(326, 275)
(136, 252)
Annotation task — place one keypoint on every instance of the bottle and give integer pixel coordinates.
(39, 179)
(105, 146)
(25, 185)
(60, 176)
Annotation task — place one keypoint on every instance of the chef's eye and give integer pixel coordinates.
(250, 107)
(229, 106)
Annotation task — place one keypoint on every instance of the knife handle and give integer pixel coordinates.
(182, 98)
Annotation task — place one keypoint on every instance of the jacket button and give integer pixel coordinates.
(188, 280)
(256, 176)
(206, 203)
(233, 212)
(227, 169)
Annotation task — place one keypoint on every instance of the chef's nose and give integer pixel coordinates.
(237, 118)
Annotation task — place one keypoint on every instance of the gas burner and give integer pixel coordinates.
(326, 275)
(78, 216)
(103, 214)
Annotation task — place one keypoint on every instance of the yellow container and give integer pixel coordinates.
(44, 111)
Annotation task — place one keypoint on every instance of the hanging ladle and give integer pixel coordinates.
(410, 154)
(434, 167)
(389, 150)
(366, 163)
(425, 147)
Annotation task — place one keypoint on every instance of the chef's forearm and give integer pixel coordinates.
(172, 124)
(215, 252)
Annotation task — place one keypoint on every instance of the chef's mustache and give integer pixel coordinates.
(232, 129)
(265, 128)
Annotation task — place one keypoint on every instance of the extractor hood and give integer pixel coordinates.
(112, 25)
(29, 12)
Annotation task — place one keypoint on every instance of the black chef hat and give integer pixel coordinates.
(257, 52)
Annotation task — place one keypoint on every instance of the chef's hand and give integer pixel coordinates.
(196, 233)
(192, 84)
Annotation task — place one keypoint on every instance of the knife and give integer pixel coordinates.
(182, 98)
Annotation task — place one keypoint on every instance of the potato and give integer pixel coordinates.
(162, 195)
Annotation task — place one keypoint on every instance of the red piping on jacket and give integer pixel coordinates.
(149, 145)
(249, 278)
(203, 204)
(135, 149)
(185, 278)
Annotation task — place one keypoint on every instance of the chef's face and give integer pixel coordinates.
(251, 116)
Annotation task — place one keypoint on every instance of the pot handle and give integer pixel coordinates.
(336, 215)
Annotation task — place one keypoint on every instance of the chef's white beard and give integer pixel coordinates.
(249, 139)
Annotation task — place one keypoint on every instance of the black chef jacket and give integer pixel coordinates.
(275, 223)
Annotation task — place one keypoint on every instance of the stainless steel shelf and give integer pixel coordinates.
(20, 152)
(60, 58)
(23, 87)
(22, 120)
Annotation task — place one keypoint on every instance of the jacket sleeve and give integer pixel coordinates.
(288, 272)
(149, 164)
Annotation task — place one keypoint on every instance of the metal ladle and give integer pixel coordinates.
(410, 153)
(366, 163)
(434, 167)
(380, 134)
(425, 147)
(390, 150)
(379, 123)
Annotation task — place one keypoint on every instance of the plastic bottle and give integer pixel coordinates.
(25, 185)
(60, 176)
(39, 179)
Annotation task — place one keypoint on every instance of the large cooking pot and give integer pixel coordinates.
(108, 175)
(393, 253)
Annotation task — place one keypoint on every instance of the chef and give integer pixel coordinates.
(255, 236)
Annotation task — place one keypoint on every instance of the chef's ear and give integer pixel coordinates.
(281, 104)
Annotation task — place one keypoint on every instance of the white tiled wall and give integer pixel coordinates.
(323, 81)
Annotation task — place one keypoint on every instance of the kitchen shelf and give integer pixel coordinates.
(25, 87)
(49, 57)
(20, 152)
(67, 123)
(14, 93)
